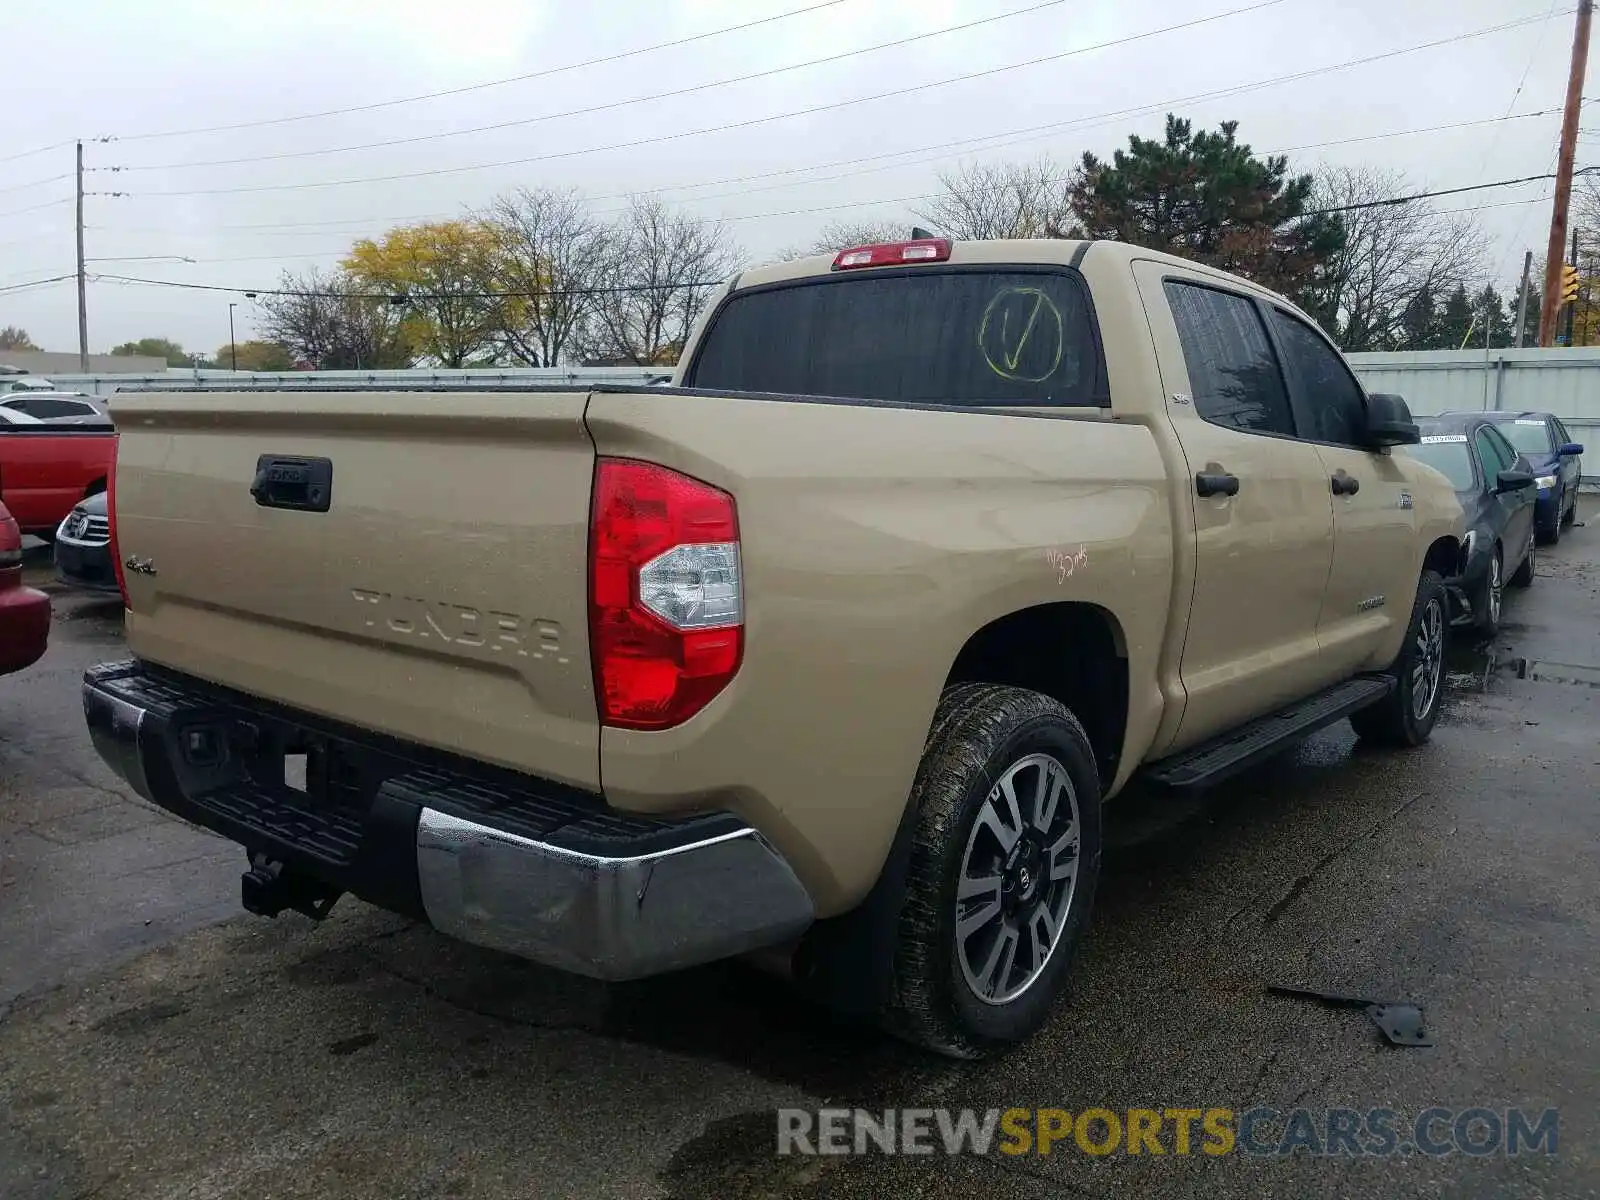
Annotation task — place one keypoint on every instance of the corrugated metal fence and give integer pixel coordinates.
(105, 384)
(1563, 382)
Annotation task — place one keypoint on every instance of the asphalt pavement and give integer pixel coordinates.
(155, 1043)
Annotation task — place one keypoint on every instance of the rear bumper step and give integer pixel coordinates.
(530, 867)
(1211, 762)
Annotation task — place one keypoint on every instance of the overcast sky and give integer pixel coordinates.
(110, 68)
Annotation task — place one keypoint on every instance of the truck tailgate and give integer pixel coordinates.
(440, 598)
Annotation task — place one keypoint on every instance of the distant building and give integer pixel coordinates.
(50, 362)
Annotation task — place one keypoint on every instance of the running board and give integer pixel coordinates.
(1211, 762)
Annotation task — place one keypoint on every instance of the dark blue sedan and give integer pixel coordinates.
(1496, 488)
(1553, 457)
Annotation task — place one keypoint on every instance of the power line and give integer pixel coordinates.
(404, 297)
(1488, 153)
(888, 200)
(616, 104)
(1375, 137)
(1455, 191)
(17, 187)
(1445, 212)
(754, 121)
(36, 150)
(291, 229)
(270, 291)
(17, 212)
(476, 87)
(17, 287)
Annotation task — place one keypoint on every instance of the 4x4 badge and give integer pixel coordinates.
(1406, 501)
(140, 566)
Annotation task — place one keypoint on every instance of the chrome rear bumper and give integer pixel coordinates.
(545, 874)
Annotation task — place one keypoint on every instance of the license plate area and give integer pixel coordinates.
(288, 763)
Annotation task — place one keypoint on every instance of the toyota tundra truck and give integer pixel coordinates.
(831, 651)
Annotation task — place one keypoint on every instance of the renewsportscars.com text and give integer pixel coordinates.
(1259, 1131)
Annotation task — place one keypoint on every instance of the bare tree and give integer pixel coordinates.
(549, 248)
(1001, 200)
(324, 318)
(658, 268)
(841, 235)
(1586, 207)
(1364, 294)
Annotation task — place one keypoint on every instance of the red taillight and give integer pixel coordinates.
(666, 604)
(893, 253)
(111, 517)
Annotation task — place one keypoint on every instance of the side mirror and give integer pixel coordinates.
(1512, 481)
(1389, 423)
(1571, 449)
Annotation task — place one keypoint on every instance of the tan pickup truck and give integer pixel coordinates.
(832, 650)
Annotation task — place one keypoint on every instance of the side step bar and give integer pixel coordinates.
(1211, 762)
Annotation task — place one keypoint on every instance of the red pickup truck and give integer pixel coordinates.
(46, 469)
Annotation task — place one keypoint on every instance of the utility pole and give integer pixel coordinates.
(1563, 194)
(83, 297)
(233, 342)
(1522, 299)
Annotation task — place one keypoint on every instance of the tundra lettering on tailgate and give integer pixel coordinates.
(458, 625)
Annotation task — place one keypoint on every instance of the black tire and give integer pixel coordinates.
(980, 734)
(1486, 605)
(1571, 515)
(1394, 720)
(1524, 573)
(1549, 535)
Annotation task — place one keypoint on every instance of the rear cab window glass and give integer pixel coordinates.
(1232, 371)
(956, 336)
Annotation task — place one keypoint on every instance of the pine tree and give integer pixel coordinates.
(1419, 322)
(1455, 319)
(1206, 197)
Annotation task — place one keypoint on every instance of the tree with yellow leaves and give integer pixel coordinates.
(444, 276)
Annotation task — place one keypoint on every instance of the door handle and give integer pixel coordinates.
(1345, 485)
(289, 481)
(1216, 483)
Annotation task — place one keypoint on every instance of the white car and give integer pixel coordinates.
(25, 383)
(56, 406)
(10, 416)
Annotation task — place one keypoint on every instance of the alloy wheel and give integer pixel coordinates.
(1428, 668)
(1019, 872)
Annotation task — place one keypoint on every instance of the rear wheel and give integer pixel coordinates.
(1550, 534)
(1405, 717)
(1486, 605)
(1524, 574)
(1004, 863)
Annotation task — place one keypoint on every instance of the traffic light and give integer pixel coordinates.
(1569, 283)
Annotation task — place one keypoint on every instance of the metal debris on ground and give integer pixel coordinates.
(1398, 1020)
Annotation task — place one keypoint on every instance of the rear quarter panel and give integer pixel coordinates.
(875, 542)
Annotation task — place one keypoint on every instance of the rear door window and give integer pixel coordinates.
(921, 335)
(1493, 452)
(49, 406)
(1232, 370)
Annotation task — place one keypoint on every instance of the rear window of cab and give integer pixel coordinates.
(927, 335)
